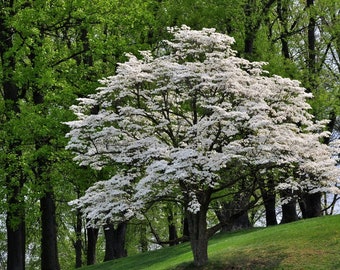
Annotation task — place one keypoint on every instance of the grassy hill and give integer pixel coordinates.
(306, 244)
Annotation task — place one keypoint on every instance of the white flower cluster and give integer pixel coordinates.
(185, 116)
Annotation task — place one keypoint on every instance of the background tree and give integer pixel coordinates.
(43, 45)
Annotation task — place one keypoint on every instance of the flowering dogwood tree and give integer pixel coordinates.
(174, 124)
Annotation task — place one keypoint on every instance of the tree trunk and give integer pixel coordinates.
(15, 217)
(289, 213)
(269, 200)
(115, 241)
(172, 230)
(49, 246)
(109, 240)
(49, 250)
(198, 232)
(234, 215)
(270, 209)
(119, 235)
(250, 28)
(283, 16)
(310, 205)
(198, 237)
(92, 236)
(311, 38)
(185, 228)
(15, 237)
(78, 244)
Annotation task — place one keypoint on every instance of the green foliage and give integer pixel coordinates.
(224, 15)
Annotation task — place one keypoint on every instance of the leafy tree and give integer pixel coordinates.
(188, 123)
(43, 46)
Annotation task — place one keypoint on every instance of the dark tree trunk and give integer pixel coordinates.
(119, 243)
(241, 222)
(198, 237)
(115, 241)
(232, 218)
(49, 246)
(15, 236)
(289, 213)
(78, 244)
(310, 205)
(249, 43)
(283, 15)
(92, 236)
(198, 232)
(185, 228)
(269, 200)
(49, 250)
(311, 84)
(172, 230)
(15, 217)
(234, 215)
(109, 240)
(311, 38)
(250, 34)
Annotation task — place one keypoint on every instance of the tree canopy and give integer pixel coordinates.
(189, 121)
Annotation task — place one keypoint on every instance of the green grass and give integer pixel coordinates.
(312, 244)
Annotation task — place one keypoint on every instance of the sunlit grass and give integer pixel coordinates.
(307, 244)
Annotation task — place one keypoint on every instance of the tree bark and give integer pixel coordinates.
(310, 205)
(15, 236)
(234, 215)
(119, 243)
(115, 241)
(49, 246)
(269, 200)
(198, 237)
(49, 250)
(172, 229)
(311, 38)
(78, 244)
(283, 15)
(185, 230)
(92, 236)
(15, 217)
(250, 34)
(109, 240)
(289, 213)
(198, 232)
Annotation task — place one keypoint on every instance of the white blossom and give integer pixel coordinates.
(171, 124)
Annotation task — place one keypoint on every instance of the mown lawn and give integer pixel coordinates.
(312, 244)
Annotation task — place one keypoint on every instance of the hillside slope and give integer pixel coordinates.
(306, 244)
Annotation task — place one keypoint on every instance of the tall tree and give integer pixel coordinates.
(15, 178)
(176, 125)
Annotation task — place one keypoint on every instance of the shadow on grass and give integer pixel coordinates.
(240, 261)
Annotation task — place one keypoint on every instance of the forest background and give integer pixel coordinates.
(53, 52)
